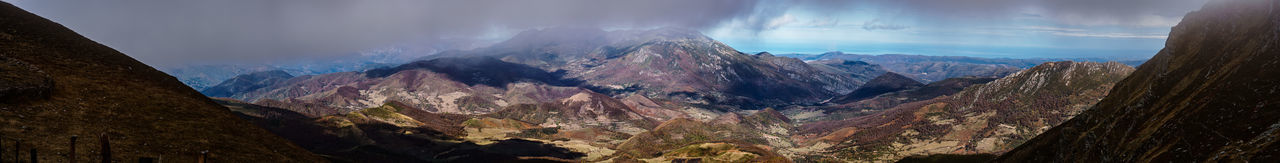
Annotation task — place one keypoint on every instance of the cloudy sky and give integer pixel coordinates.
(178, 32)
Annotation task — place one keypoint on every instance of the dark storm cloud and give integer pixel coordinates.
(1068, 12)
(1120, 12)
(183, 31)
(171, 32)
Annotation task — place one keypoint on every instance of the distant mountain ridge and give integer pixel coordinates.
(246, 82)
(935, 68)
(204, 75)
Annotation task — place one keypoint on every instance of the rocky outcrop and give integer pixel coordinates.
(1208, 96)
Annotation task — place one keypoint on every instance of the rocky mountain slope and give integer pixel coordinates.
(986, 118)
(1209, 95)
(58, 84)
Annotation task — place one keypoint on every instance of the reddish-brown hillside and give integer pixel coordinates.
(985, 118)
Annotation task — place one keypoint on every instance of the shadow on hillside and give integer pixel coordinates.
(493, 72)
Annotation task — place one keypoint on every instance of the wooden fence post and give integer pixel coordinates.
(72, 158)
(17, 147)
(203, 155)
(2, 148)
(106, 148)
(33, 155)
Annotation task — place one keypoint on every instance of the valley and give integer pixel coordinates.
(639, 96)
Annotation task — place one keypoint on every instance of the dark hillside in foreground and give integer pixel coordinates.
(57, 84)
(1209, 96)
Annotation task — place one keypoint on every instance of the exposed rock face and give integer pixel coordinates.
(91, 90)
(246, 83)
(1209, 95)
(889, 82)
(986, 118)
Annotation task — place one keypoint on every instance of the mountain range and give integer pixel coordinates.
(655, 95)
(935, 68)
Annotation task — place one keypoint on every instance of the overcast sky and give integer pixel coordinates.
(177, 32)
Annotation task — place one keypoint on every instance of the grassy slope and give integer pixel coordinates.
(99, 91)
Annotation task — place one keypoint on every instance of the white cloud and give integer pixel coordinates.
(780, 21)
(877, 24)
(1111, 35)
(1147, 20)
(1049, 28)
(823, 22)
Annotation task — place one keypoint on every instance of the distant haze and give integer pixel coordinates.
(169, 32)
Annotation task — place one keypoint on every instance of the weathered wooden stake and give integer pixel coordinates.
(106, 148)
(72, 157)
(203, 155)
(17, 147)
(2, 148)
